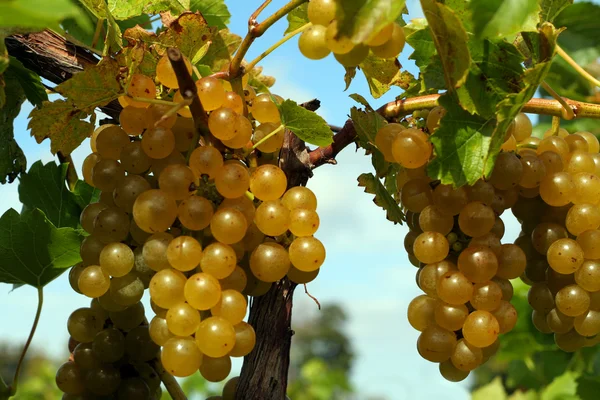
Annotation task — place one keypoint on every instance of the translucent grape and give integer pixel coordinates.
(312, 43)
(181, 356)
(195, 213)
(202, 291)
(264, 110)
(110, 142)
(307, 253)
(211, 93)
(93, 281)
(88, 166)
(534, 171)
(580, 161)
(410, 148)
(116, 259)
(165, 73)
(434, 220)
(466, 357)
(586, 188)
(83, 324)
(272, 218)
(232, 180)
(218, 260)
(450, 200)
(589, 242)
(106, 174)
(478, 263)
(455, 288)
(268, 182)
(127, 290)
(557, 189)
(183, 319)
(385, 138)
(565, 256)
(354, 57)
(166, 288)
(511, 262)
(301, 277)
(451, 373)
(158, 142)
(300, 197)
(481, 328)
(416, 195)
(184, 253)
(141, 86)
(592, 141)
(381, 37)
(572, 300)
(159, 331)
(303, 222)
(270, 262)
(154, 211)
(431, 247)
(488, 240)
(231, 306)
(321, 12)
(506, 315)
(393, 46)
(434, 117)
(581, 218)
(228, 225)
(588, 323)
(476, 219)
(243, 135)
(577, 143)
(215, 336)
(206, 160)
(430, 275)
(133, 158)
(450, 316)
(176, 181)
(436, 344)
(487, 296)
(245, 339)
(507, 171)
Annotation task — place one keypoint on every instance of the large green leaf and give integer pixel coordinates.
(40, 14)
(12, 158)
(382, 198)
(307, 125)
(549, 9)
(359, 19)
(32, 250)
(462, 142)
(214, 11)
(431, 78)
(189, 33)
(381, 74)
(30, 82)
(366, 125)
(297, 18)
(450, 40)
(562, 388)
(43, 187)
(502, 18)
(492, 391)
(96, 86)
(588, 387)
(222, 47)
(62, 122)
(126, 9)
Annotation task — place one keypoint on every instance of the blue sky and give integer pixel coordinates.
(366, 270)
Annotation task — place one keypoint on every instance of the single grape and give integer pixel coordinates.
(70, 379)
(159, 331)
(116, 259)
(270, 262)
(181, 356)
(184, 253)
(218, 259)
(166, 288)
(245, 339)
(183, 319)
(411, 149)
(127, 290)
(454, 288)
(195, 213)
(481, 328)
(243, 135)
(507, 171)
(588, 323)
(312, 43)
(416, 195)
(272, 218)
(264, 110)
(215, 369)
(228, 225)
(215, 337)
(450, 316)
(506, 315)
(431, 247)
(572, 300)
(84, 323)
(231, 306)
(106, 174)
(140, 86)
(385, 137)
(466, 357)
(211, 93)
(476, 219)
(354, 57)
(478, 263)
(451, 373)
(321, 12)
(565, 256)
(307, 253)
(133, 158)
(275, 134)
(93, 281)
(590, 244)
(154, 211)
(382, 36)
(158, 142)
(436, 344)
(393, 46)
(155, 251)
(232, 180)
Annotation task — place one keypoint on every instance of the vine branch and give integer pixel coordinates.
(36, 319)
(577, 67)
(169, 381)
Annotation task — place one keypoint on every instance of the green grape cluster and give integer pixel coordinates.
(323, 37)
(195, 226)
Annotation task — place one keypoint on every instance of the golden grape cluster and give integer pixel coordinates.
(323, 38)
(552, 187)
(195, 225)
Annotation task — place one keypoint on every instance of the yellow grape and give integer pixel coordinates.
(215, 337)
(88, 165)
(466, 357)
(272, 218)
(434, 117)
(486, 296)
(476, 219)
(222, 123)
(430, 247)
(557, 189)
(231, 306)
(393, 46)
(176, 181)
(181, 356)
(106, 174)
(506, 315)
(380, 37)
(154, 211)
(183, 319)
(416, 194)
(166, 288)
(385, 138)
(245, 339)
(195, 213)
(511, 262)
(590, 244)
(264, 110)
(243, 204)
(301, 277)
(592, 140)
(154, 251)
(165, 73)
(215, 369)
(565, 256)
(158, 142)
(430, 275)
(274, 142)
(268, 182)
(436, 344)
(521, 127)
(243, 134)
(184, 253)
(586, 188)
(321, 12)
(237, 280)
(552, 162)
(202, 291)
(116, 259)
(89, 214)
(579, 161)
(450, 316)
(307, 253)
(159, 331)
(410, 148)
(269, 262)
(481, 329)
(133, 158)
(555, 144)
(572, 300)
(454, 288)
(303, 222)
(312, 43)
(218, 260)
(581, 218)
(184, 111)
(141, 86)
(93, 281)
(228, 225)
(127, 191)
(452, 374)
(206, 160)
(338, 44)
(211, 93)
(300, 197)
(232, 180)
(478, 263)
(110, 142)
(155, 116)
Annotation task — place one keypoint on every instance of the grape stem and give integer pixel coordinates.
(13, 386)
(256, 30)
(169, 381)
(281, 41)
(577, 67)
(311, 296)
(269, 136)
(71, 177)
(568, 114)
(175, 107)
(151, 101)
(99, 29)
(555, 125)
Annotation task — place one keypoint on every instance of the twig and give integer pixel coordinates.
(221, 75)
(169, 381)
(281, 41)
(555, 125)
(311, 296)
(71, 177)
(269, 136)
(99, 27)
(577, 67)
(151, 101)
(568, 112)
(256, 30)
(15, 383)
(189, 92)
(327, 154)
(173, 110)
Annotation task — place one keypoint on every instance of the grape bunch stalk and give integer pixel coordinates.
(202, 227)
(552, 187)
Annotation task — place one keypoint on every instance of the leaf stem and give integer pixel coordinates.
(169, 381)
(151, 101)
(99, 27)
(175, 107)
(568, 114)
(281, 41)
(256, 30)
(270, 135)
(13, 386)
(577, 67)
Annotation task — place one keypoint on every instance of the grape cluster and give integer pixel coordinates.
(322, 38)
(455, 241)
(201, 233)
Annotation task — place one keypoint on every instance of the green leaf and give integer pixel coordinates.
(349, 76)
(224, 43)
(32, 250)
(113, 41)
(297, 18)
(361, 100)
(502, 18)
(381, 74)
(450, 40)
(307, 125)
(126, 9)
(96, 7)
(562, 388)
(461, 144)
(62, 122)
(366, 125)
(551, 8)
(30, 82)
(43, 187)
(588, 387)
(85, 194)
(360, 19)
(431, 79)
(95, 86)
(214, 11)
(492, 391)
(35, 15)
(189, 33)
(12, 158)
(382, 198)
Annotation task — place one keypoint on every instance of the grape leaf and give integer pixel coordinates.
(12, 158)
(297, 18)
(32, 15)
(137, 54)
(43, 187)
(189, 33)
(349, 76)
(588, 387)
(126, 9)
(382, 198)
(222, 47)
(461, 142)
(95, 86)
(307, 125)
(30, 82)
(32, 250)
(366, 125)
(381, 74)
(492, 391)
(360, 19)
(450, 40)
(551, 8)
(113, 41)
(361, 100)
(214, 11)
(502, 18)
(431, 78)
(62, 122)
(96, 7)
(562, 388)
(85, 194)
